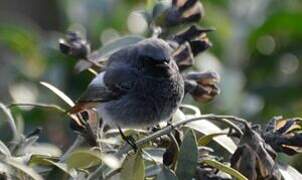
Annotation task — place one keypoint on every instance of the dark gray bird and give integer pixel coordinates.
(140, 86)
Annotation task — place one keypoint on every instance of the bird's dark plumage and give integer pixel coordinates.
(140, 86)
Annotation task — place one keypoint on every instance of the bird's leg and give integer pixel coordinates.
(169, 123)
(129, 139)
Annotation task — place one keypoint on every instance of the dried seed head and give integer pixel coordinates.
(284, 135)
(259, 155)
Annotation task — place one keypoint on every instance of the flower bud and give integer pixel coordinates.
(74, 46)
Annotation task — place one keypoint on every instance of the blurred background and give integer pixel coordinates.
(257, 50)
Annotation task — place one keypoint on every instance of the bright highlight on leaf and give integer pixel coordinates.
(59, 93)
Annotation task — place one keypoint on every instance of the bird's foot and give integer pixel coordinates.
(129, 139)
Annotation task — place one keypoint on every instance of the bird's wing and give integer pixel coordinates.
(108, 85)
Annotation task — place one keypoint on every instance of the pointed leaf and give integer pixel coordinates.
(206, 139)
(187, 159)
(224, 168)
(133, 167)
(166, 174)
(59, 93)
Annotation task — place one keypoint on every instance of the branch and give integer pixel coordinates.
(219, 118)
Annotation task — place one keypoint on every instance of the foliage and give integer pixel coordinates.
(186, 149)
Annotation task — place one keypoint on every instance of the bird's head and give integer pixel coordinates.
(155, 57)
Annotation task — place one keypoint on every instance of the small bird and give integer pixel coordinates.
(139, 87)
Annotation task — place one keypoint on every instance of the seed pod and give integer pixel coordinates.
(202, 86)
(184, 57)
(181, 11)
(196, 38)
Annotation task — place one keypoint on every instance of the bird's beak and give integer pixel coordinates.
(165, 64)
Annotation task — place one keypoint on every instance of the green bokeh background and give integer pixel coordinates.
(257, 52)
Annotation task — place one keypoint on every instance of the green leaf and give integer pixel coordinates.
(59, 93)
(206, 139)
(4, 150)
(83, 159)
(133, 167)
(25, 172)
(61, 166)
(206, 127)
(166, 174)
(224, 168)
(188, 155)
(37, 159)
(289, 173)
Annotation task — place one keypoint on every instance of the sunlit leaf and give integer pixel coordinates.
(187, 159)
(224, 168)
(133, 167)
(111, 161)
(289, 173)
(166, 174)
(59, 93)
(4, 150)
(83, 159)
(25, 171)
(206, 127)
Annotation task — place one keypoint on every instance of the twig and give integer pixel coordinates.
(168, 129)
